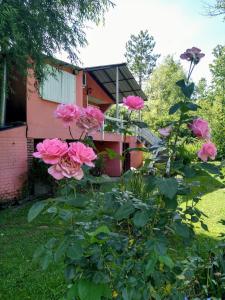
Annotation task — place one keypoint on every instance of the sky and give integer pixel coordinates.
(175, 25)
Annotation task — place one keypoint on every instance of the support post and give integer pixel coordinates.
(3, 95)
(117, 92)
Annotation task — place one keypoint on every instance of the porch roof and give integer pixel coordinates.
(105, 76)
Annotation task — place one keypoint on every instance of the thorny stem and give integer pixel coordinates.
(71, 133)
(84, 131)
(173, 154)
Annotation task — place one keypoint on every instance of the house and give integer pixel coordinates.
(30, 118)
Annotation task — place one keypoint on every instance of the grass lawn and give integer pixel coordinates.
(21, 279)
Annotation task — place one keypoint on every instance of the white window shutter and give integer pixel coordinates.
(59, 88)
(68, 88)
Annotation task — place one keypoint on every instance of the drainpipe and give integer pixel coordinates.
(3, 94)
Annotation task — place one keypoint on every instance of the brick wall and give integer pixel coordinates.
(13, 162)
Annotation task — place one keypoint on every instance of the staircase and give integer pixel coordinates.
(154, 144)
(148, 138)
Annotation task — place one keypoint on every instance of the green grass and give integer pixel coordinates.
(21, 279)
(212, 202)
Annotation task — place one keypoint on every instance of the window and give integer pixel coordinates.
(59, 87)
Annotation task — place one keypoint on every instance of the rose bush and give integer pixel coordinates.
(123, 244)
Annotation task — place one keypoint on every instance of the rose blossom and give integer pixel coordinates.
(194, 54)
(200, 128)
(67, 113)
(66, 167)
(81, 154)
(165, 131)
(91, 119)
(133, 102)
(51, 150)
(208, 150)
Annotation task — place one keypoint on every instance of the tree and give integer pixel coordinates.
(217, 69)
(39, 28)
(214, 102)
(216, 9)
(139, 55)
(31, 30)
(162, 91)
(201, 89)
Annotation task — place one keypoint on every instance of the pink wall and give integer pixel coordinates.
(13, 162)
(41, 122)
(94, 90)
(113, 167)
(136, 157)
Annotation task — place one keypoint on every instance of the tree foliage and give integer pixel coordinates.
(39, 28)
(162, 91)
(217, 69)
(217, 8)
(212, 99)
(140, 56)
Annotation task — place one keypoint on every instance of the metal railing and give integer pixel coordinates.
(144, 134)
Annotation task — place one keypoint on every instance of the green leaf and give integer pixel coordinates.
(189, 172)
(52, 210)
(78, 201)
(192, 106)
(124, 211)
(211, 168)
(140, 124)
(101, 277)
(89, 291)
(72, 293)
(141, 218)
(101, 229)
(111, 153)
(69, 272)
(35, 210)
(75, 251)
(61, 250)
(46, 260)
(150, 267)
(174, 108)
(65, 214)
(187, 89)
(166, 260)
(182, 230)
(204, 226)
(167, 187)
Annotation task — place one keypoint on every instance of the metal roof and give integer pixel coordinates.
(105, 76)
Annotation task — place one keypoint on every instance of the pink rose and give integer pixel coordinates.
(68, 113)
(51, 150)
(81, 154)
(208, 150)
(66, 167)
(91, 119)
(165, 131)
(200, 128)
(133, 102)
